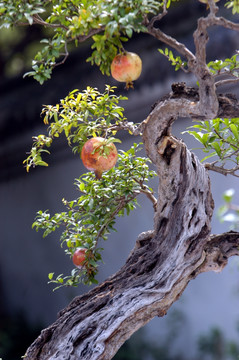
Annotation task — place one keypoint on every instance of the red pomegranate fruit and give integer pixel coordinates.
(97, 155)
(126, 67)
(79, 257)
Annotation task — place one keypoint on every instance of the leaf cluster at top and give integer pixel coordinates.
(107, 22)
(13, 12)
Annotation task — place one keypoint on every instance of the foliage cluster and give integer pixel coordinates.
(92, 216)
(79, 116)
(175, 61)
(219, 137)
(109, 24)
(229, 66)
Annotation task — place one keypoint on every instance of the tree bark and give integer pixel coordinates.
(95, 325)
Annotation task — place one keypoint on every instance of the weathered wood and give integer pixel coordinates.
(163, 261)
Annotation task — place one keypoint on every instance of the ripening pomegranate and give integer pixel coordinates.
(79, 257)
(98, 156)
(126, 67)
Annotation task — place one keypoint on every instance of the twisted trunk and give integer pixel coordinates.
(94, 326)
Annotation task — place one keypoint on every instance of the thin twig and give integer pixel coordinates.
(120, 206)
(220, 21)
(66, 54)
(168, 40)
(233, 207)
(148, 193)
(222, 170)
(226, 142)
(226, 82)
(82, 38)
(38, 20)
(150, 196)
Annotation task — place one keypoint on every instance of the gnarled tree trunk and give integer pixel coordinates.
(164, 260)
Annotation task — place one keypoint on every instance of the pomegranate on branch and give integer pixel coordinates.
(98, 155)
(126, 67)
(79, 257)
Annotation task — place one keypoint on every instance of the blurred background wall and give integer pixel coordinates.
(26, 301)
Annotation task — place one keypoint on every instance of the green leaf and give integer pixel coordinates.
(209, 156)
(216, 146)
(234, 130)
(82, 186)
(228, 195)
(50, 275)
(129, 32)
(196, 135)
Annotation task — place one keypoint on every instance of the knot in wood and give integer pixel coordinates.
(166, 148)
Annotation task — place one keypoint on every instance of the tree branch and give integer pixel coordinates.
(168, 40)
(226, 82)
(208, 103)
(197, 63)
(227, 24)
(92, 32)
(221, 170)
(218, 250)
(66, 54)
(149, 195)
(39, 21)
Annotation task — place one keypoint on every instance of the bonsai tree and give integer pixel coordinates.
(180, 246)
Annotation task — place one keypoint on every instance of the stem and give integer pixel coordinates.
(82, 38)
(38, 20)
(151, 197)
(148, 193)
(226, 82)
(114, 213)
(222, 170)
(168, 40)
(225, 141)
(66, 54)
